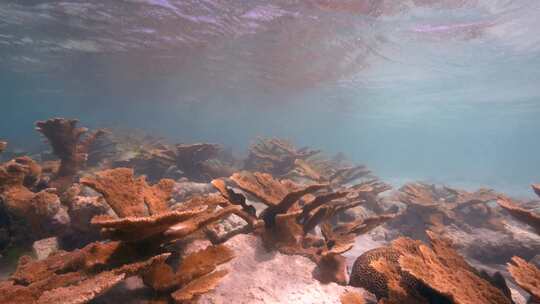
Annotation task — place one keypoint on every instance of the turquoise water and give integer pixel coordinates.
(445, 91)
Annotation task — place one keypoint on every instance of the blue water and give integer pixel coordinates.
(445, 91)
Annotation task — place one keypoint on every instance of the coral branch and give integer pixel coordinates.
(262, 186)
(523, 215)
(185, 228)
(198, 287)
(65, 139)
(536, 189)
(410, 270)
(352, 297)
(130, 196)
(526, 275)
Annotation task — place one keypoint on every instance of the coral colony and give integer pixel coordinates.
(121, 219)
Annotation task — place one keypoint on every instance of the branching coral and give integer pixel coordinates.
(197, 162)
(527, 276)
(527, 216)
(280, 158)
(276, 156)
(130, 196)
(432, 207)
(74, 277)
(163, 277)
(411, 272)
(292, 214)
(68, 144)
(143, 227)
(30, 215)
(192, 160)
(352, 297)
(536, 189)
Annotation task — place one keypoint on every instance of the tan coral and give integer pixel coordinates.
(290, 222)
(431, 207)
(83, 291)
(527, 216)
(130, 196)
(194, 275)
(262, 186)
(527, 276)
(352, 297)
(410, 269)
(15, 195)
(189, 226)
(536, 189)
(41, 213)
(276, 156)
(198, 286)
(144, 212)
(140, 228)
(236, 199)
(74, 277)
(192, 160)
(446, 272)
(68, 145)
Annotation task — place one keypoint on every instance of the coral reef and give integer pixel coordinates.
(133, 219)
(69, 145)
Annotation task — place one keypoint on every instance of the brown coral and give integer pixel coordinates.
(527, 276)
(292, 214)
(527, 216)
(192, 159)
(31, 215)
(409, 270)
(536, 189)
(68, 145)
(352, 297)
(74, 277)
(433, 207)
(276, 156)
(282, 159)
(130, 196)
(162, 277)
(445, 271)
(3, 146)
(144, 212)
(263, 186)
(198, 287)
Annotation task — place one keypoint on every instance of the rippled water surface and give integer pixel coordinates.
(438, 90)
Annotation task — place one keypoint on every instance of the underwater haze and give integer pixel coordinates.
(444, 91)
